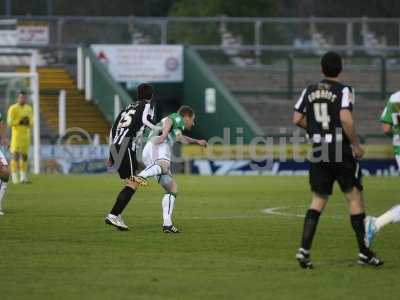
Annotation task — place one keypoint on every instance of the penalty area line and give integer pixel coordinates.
(223, 217)
(282, 212)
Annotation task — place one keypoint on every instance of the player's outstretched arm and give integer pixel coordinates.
(165, 131)
(299, 120)
(347, 121)
(188, 140)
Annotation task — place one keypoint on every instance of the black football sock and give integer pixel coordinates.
(357, 222)
(310, 226)
(122, 200)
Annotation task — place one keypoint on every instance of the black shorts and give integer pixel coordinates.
(129, 165)
(324, 174)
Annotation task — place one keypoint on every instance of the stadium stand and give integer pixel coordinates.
(272, 113)
(80, 113)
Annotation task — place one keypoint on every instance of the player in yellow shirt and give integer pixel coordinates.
(20, 120)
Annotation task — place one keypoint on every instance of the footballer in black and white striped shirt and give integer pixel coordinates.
(324, 110)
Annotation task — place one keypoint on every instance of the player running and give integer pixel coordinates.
(325, 111)
(157, 158)
(374, 224)
(125, 138)
(20, 119)
(4, 170)
(390, 120)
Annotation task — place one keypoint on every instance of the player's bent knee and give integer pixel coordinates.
(164, 164)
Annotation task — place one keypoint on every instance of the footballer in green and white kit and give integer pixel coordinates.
(390, 120)
(156, 156)
(155, 151)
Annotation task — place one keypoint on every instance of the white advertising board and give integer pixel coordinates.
(33, 35)
(150, 63)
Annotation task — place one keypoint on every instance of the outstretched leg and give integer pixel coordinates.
(157, 158)
(391, 216)
(374, 224)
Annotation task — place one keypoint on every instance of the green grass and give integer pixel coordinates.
(54, 243)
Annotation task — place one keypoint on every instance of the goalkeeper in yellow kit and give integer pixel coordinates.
(20, 120)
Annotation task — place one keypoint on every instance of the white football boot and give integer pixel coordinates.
(116, 221)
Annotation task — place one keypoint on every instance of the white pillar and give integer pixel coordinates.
(117, 106)
(36, 121)
(80, 68)
(62, 113)
(88, 80)
(96, 139)
(32, 67)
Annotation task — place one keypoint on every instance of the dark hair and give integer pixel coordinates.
(185, 110)
(23, 93)
(144, 92)
(331, 64)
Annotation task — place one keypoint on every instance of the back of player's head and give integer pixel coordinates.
(186, 110)
(331, 64)
(145, 92)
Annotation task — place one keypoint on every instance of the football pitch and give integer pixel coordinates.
(54, 243)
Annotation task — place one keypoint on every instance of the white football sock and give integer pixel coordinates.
(150, 171)
(398, 162)
(391, 216)
(168, 202)
(3, 187)
(15, 177)
(24, 176)
(396, 214)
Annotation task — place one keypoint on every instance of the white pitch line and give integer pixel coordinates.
(223, 217)
(277, 211)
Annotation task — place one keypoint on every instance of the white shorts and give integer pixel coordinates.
(151, 153)
(398, 161)
(3, 159)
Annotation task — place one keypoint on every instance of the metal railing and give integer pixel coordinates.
(375, 76)
(250, 42)
(254, 34)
